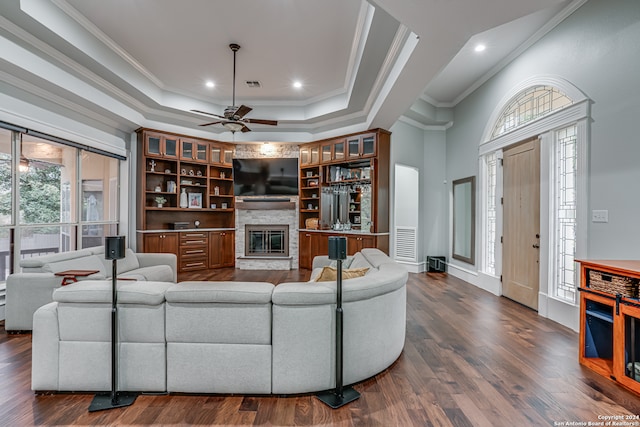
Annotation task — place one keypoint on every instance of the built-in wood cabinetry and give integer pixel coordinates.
(356, 166)
(169, 165)
(314, 243)
(222, 249)
(609, 321)
(160, 242)
(344, 191)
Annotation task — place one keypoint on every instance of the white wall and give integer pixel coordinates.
(424, 150)
(597, 50)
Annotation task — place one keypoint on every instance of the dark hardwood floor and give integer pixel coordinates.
(470, 359)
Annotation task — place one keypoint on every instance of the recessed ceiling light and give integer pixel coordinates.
(297, 84)
(210, 84)
(480, 48)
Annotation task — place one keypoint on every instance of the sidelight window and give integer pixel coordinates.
(565, 212)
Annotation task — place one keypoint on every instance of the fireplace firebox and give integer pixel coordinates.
(266, 240)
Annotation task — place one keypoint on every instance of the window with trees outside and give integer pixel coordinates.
(54, 197)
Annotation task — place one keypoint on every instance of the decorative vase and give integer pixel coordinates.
(184, 202)
(159, 205)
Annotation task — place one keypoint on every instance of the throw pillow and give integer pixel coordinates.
(330, 274)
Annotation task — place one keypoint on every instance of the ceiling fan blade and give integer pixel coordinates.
(245, 129)
(262, 122)
(209, 114)
(241, 111)
(212, 123)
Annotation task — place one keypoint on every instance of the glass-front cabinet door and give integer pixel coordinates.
(171, 147)
(305, 156)
(368, 145)
(326, 153)
(186, 149)
(338, 150)
(200, 153)
(315, 155)
(353, 147)
(152, 145)
(227, 156)
(216, 154)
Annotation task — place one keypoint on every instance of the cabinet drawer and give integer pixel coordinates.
(196, 238)
(193, 264)
(190, 252)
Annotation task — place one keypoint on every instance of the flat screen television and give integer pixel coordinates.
(265, 177)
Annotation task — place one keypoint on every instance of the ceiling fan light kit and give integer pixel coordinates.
(233, 126)
(233, 117)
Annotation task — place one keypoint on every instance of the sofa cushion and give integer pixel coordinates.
(219, 312)
(40, 261)
(225, 292)
(155, 273)
(359, 261)
(315, 273)
(99, 291)
(375, 257)
(91, 262)
(128, 263)
(330, 274)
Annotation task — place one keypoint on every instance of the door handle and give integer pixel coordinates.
(536, 246)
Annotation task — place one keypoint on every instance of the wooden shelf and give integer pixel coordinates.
(207, 159)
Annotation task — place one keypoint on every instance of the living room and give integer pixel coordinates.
(584, 50)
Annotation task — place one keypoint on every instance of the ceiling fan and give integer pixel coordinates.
(233, 118)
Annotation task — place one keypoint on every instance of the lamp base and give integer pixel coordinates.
(103, 401)
(335, 401)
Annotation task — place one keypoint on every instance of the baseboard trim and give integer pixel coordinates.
(413, 267)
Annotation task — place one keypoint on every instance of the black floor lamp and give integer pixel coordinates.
(341, 395)
(114, 250)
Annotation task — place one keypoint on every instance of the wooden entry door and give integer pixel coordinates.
(521, 228)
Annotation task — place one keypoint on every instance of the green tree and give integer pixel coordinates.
(39, 193)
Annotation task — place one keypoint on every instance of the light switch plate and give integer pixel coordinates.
(599, 216)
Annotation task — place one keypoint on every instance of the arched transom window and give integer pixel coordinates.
(530, 104)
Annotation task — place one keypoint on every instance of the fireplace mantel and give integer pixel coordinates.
(265, 204)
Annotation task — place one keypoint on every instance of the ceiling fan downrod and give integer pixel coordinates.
(234, 47)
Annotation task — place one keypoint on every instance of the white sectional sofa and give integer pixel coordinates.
(223, 337)
(34, 285)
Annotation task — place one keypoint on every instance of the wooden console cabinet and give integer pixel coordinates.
(168, 165)
(610, 324)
